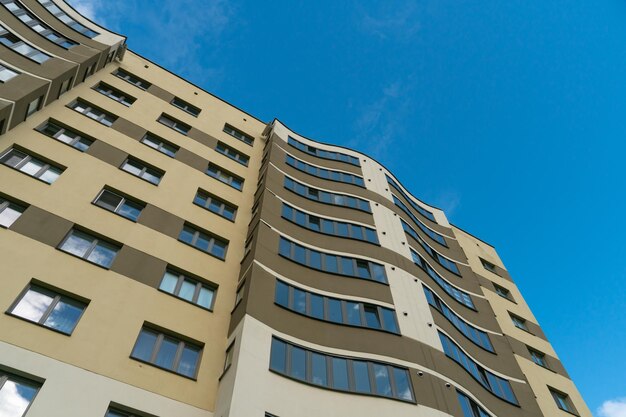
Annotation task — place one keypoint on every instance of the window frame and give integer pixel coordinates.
(5, 204)
(211, 237)
(220, 175)
(62, 129)
(114, 94)
(45, 164)
(211, 198)
(88, 107)
(519, 322)
(122, 74)
(233, 131)
(186, 106)
(6, 375)
(94, 243)
(144, 169)
(15, 42)
(11, 73)
(123, 199)
(176, 125)
(539, 358)
(563, 401)
(232, 153)
(199, 284)
(161, 144)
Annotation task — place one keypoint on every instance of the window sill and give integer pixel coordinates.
(8, 313)
(195, 379)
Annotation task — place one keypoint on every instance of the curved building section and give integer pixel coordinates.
(167, 254)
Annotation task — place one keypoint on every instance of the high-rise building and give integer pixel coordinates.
(163, 253)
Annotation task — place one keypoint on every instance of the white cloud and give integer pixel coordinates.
(89, 8)
(613, 408)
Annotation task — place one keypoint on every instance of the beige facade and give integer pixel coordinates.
(167, 254)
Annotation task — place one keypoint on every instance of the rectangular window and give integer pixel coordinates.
(90, 248)
(428, 231)
(65, 18)
(224, 176)
(204, 241)
(346, 374)
(238, 134)
(320, 153)
(16, 393)
(228, 360)
(49, 309)
(118, 204)
(65, 86)
(114, 94)
(30, 165)
(16, 44)
(427, 214)
(215, 205)
(232, 153)
(327, 174)
(133, 79)
(33, 106)
(469, 407)
(94, 113)
(142, 170)
(187, 288)
(488, 266)
(186, 107)
(167, 352)
(7, 73)
(159, 144)
(519, 322)
(9, 212)
(538, 357)
(177, 125)
(503, 292)
(327, 197)
(116, 411)
(562, 401)
(66, 135)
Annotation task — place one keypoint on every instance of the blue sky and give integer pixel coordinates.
(509, 115)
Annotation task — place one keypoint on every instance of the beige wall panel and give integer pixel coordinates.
(70, 391)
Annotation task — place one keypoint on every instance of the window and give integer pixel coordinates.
(320, 153)
(30, 165)
(63, 17)
(503, 292)
(159, 144)
(469, 407)
(429, 232)
(238, 134)
(215, 205)
(65, 86)
(187, 288)
(326, 197)
(114, 94)
(91, 69)
(449, 264)
(90, 248)
(478, 337)
(327, 174)
(228, 360)
(500, 387)
(177, 125)
(17, 393)
(16, 44)
(94, 113)
(340, 373)
(329, 226)
(33, 106)
(204, 241)
(488, 266)
(427, 214)
(239, 294)
(9, 212)
(562, 400)
(19, 11)
(133, 79)
(49, 309)
(454, 292)
(519, 322)
(538, 357)
(116, 411)
(232, 153)
(332, 310)
(118, 204)
(7, 73)
(142, 170)
(167, 352)
(224, 176)
(333, 264)
(184, 106)
(66, 135)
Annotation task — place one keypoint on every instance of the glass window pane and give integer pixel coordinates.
(363, 269)
(371, 316)
(342, 229)
(108, 200)
(378, 272)
(353, 310)
(32, 167)
(318, 369)
(317, 306)
(340, 373)
(389, 320)
(77, 243)
(334, 310)
(130, 210)
(361, 376)
(383, 384)
(15, 397)
(145, 345)
(205, 298)
(169, 281)
(328, 227)
(167, 352)
(315, 260)
(50, 175)
(282, 294)
(299, 301)
(300, 254)
(34, 304)
(278, 356)
(187, 290)
(65, 315)
(347, 266)
(103, 254)
(186, 235)
(9, 215)
(403, 386)
(188, 361)
(298, 363)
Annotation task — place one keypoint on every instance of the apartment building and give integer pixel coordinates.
(166, 254)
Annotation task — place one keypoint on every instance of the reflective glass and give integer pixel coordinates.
(361, 376)
(298, 363)
(188, 361)
(340, 373)
(65, 315)
(15, 397)
(169, 282)
(353, 310)
(187, 290)
(145, 345)
(167, 353)
(34, 304)
(381, 375)
(318, 369)
(278, 356)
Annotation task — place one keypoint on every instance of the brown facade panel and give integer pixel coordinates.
(139, 266)
(129, 128)
(161, 221)
(203, 138)
(42, 226)
(157, 91)
(521, 349)
(193, 160)
(107, 153)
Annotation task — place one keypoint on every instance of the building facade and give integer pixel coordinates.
(166, 254)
